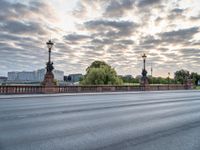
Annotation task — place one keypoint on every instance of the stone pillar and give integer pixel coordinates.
(49, 79)
(49, 84)
(189, 84)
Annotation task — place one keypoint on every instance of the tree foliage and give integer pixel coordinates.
(161, 80)
(195, 77)
(129, 79)
(182, 76)
(100, 73)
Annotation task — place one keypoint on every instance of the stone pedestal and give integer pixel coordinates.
(144, 81)
(189, 84)
(49, 84)
(49, 79)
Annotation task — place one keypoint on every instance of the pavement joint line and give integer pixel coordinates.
(90, 94)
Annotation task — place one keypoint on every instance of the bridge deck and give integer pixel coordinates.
(131, 121)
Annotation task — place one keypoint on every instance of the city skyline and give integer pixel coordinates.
(115, 31)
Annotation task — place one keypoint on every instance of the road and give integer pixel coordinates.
(130, 121)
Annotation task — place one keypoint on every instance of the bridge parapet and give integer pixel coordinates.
(87, 89)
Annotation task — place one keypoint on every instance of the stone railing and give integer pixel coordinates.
(86, 89)
(21, 89)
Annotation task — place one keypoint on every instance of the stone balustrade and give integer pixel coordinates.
(86, 89)
(21, 89)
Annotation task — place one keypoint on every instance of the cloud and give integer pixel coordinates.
(80, 11)
(76, 37)
(86, 7)
(102, 41)
(111, 28)
(177, 13)
(109, 23)
(144, 3)
(150, 40)
(17, 27)
(118, 8)
(195, 18)
(179, 36)
(190, 52)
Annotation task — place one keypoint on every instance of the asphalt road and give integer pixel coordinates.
(129, 121)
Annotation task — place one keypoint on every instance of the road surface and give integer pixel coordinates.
(130, 121)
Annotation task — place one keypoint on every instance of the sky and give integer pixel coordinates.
(115, 31)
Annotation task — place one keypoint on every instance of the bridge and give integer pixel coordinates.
(97, 121)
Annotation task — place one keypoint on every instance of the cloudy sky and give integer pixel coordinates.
(116, 31)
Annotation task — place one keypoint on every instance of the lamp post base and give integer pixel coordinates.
(49, 79)
(49, 84)
(144, 81)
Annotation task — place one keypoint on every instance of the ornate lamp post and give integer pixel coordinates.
(151, 74)
(144, 72)
(144, 79)
(168, 79)
(49, 63)
(49, 77)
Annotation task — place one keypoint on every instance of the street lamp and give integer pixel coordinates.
(49, 63)
(144, 79)
(144, 72)
(168, 79)
(151, 74)
(50, 45)
(144, 59)
(168, 74)
(49, 77)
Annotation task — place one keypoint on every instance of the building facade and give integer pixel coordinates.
(33, 76)
(12, 76)
(74, 77)
(3, 80)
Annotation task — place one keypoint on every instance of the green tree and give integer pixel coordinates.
(182, 76)
(129, 79)
(195, 77)
(161, 80)
(100, 73)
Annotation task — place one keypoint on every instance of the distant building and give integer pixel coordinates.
(40, 74)
(73, 78)
(3, 80)
(33, 76)
(12, 76)
(26, 76)
(22, 76)
(58, 75)
(65, 78)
